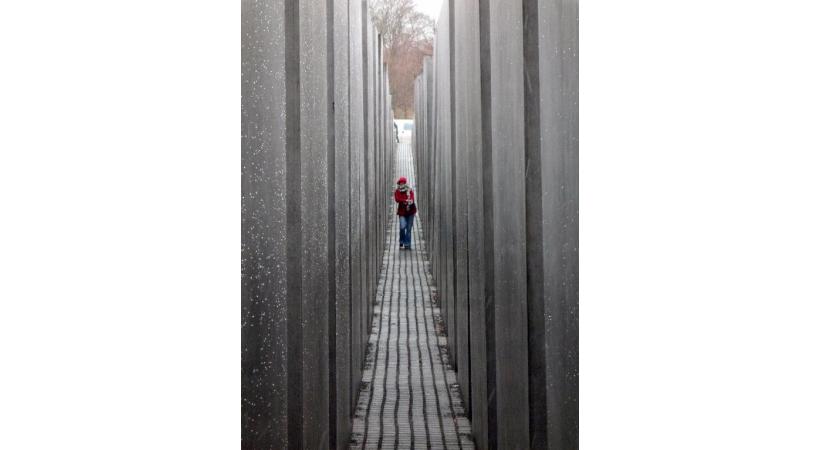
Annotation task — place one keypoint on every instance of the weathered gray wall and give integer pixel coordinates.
(497, 149)
(315, 159)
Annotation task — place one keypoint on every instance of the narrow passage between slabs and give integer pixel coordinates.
(409, 396)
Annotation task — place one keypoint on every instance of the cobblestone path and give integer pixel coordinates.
(409, 396)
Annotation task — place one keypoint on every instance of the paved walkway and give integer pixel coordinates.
(409, 396)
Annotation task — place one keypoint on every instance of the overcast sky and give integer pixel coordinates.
(430, 7)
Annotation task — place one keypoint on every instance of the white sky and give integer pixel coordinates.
(430, 7)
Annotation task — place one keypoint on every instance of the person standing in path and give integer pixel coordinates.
(407, 211)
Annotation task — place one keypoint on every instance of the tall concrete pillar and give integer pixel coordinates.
(426, 138)
(377, 123)
(461, 190)
(557, 109)
(444, 251)
(370, 167)
(509, 240)
(264, 226)
(358, 242)
(468, 125)
(339, 195)
(368, 152)
(308, 231)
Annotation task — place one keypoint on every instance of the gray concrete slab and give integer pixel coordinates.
(339, 325)
(367, 73)
(293, 224)
(535, 263)
(370, 166)
(509, 222)
(462, 192)
(467, 38)
(444, 148)
(264, 237)
(313, 224)
(359, 319)
(558, 71)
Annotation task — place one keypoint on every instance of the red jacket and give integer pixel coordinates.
(402, 198)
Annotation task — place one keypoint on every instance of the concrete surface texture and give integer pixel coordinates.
(410, 396)
(315, 206)
(497, 148)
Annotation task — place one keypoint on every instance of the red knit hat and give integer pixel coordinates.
(402, 180)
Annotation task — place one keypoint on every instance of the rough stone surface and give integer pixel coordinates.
(264, 237)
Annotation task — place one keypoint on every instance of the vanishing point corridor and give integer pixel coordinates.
(470, 339)
(410, 397)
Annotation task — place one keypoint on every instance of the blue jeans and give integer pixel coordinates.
(405, 228)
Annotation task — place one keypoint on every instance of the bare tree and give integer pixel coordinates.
(408, 37)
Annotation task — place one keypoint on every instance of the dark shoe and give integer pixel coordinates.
(408, 248)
